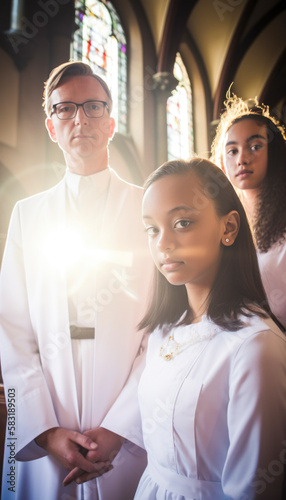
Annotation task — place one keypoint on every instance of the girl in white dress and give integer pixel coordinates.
(213, 393)
(250, 147)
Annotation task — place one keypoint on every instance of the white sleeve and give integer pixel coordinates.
(124, 416)
(20, 358)
(257, 419)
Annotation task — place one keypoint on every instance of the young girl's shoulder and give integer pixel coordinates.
(255, 324)
(259, 342)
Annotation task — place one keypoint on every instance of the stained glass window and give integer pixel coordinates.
(180, 116)
(100, 41)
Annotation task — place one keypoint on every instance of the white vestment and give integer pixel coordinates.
(39, 360)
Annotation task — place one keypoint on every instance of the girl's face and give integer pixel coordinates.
(185, 233)
(245, 154)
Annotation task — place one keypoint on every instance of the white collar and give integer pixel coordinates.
(99, 180)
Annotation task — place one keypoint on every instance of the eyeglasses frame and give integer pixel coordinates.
(54, 111)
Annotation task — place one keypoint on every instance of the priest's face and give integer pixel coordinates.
(82, 138)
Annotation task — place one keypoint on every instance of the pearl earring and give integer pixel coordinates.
(227, 240)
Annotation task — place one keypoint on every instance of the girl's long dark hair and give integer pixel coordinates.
(237, 288)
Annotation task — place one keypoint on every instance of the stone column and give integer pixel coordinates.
(163, 85)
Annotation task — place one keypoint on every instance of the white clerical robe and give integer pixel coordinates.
(36, 350)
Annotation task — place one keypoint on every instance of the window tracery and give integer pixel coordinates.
(180, 116)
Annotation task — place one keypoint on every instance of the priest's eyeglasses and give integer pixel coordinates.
(68, 110)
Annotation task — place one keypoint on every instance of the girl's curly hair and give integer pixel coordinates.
(269, 225)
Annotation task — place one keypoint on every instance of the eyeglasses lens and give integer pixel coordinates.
(68, 110)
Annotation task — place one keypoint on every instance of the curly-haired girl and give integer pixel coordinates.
(250, 147)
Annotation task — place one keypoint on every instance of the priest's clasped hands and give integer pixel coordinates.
(86, 456)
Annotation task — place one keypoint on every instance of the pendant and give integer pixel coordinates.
(168, 351)
(172, 348)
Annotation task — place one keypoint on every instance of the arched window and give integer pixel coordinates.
(180, 115)
(100, 41)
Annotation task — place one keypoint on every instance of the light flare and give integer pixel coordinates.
(65, 247)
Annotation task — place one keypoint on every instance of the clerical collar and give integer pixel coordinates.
(98, 180)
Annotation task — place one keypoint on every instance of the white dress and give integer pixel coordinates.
(272, 266)
(212, 422)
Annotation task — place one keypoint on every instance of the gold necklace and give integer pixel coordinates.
(172, 348)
